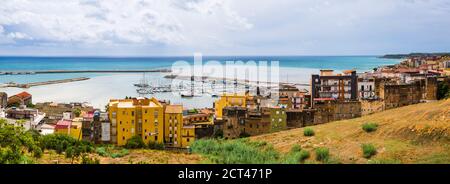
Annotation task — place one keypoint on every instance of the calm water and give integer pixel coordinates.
(360, 63)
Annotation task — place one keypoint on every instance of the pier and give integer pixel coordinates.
(28, 85)
(82, 71)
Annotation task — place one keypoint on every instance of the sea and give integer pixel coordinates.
(104, 86)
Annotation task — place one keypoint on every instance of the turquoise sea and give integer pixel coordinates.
(360, 63)
(101, 87)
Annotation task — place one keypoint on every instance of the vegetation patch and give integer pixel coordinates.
(111, 151)
(135, 142)
(239, 151)
(322, 154)
(368, 150)
(369, 127)
(308, 132)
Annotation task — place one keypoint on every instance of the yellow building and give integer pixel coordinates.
(187, 135)
(143, 117)
(71, 128)
(229, 101)
(173, 124)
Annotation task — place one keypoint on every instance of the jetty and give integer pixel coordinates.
(239, 81)
(82, 71)
(28, 85)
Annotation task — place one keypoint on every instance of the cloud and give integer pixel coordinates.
(224, 27)
(109, 21)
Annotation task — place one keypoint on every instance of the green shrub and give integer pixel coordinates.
(369, 150)
(135, 142)
(308, 132)
(322, 154)
(240, 151)
(297, 157)
(369, 127)
(70, 152)
(121, 153)
(85, 159)
(296, 148)
(37, 152)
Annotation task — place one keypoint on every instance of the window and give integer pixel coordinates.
(156, 138)
(132, 113)
(145, 137)
(132, 122)
(187, 139)
(155, 114)
(120, 122)
(123, 137)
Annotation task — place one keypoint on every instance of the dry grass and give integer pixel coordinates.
(138, 156)
(409, 134)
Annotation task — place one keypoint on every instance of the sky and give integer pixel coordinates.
(222, 27)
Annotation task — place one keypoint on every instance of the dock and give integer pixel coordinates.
(28, 85)
(82, 71)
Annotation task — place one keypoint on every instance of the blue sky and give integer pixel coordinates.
(223, 27)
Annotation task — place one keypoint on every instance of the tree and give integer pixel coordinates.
(77, 112)
(443, 91)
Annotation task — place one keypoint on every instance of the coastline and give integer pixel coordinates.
(101, 87)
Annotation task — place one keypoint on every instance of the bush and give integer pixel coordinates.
(37, 152)
(322, 154)
(240, 151)
(135, 142)
(85, 159)
(156, 146)
(369, 127)
(308, 132)
(369, 150)
(296, 148)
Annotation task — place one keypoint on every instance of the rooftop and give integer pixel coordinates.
(174, 109)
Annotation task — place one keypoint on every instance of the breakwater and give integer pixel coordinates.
(28, 85)
(81, 71)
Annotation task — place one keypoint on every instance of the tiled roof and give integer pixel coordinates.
(24, 95)
(174, 109)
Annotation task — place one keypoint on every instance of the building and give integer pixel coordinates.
(398, 95)
(21, 113)
(57, 111)
(296, 118)
(136, 117)
(92, 128)
(187, 135)
(23, 98)
(70, 127)
(3, 100)
(277, 117)
(334, 110)
(202, 121)
(229, 101)
(366, 88)
(330, 86)
(173, 120)
(255, 124)
(233, 118)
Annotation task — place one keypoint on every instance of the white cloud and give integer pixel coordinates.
(164, 27)
(110, 21)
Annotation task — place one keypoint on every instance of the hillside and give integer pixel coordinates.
(413, 134)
